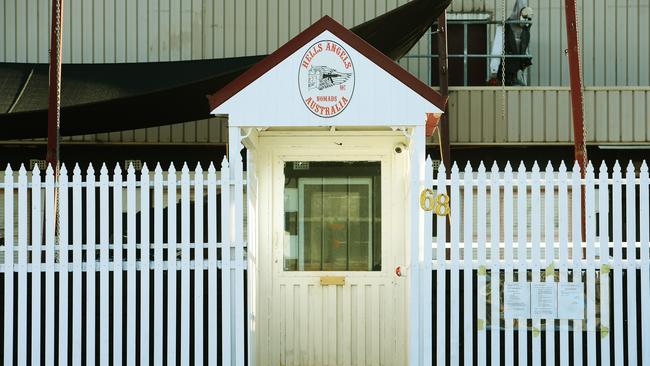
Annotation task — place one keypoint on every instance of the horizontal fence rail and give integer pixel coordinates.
(523, 230)
(123, 267)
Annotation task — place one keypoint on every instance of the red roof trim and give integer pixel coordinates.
(356, 42)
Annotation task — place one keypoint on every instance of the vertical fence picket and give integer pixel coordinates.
(131, 266)
(77, 305)
(238, 221)
(50, 259)
(212, 265)
(91, 261)
(481, 291)
(576, 256)
(21, 355)
(549, 240)
(145, 261)
(590, 267)
(118, 270)
(507, 239)
(9, 266)
(159, 259)
(563, 232)
(63, 265)
(104, 263)
(468, 291)
(522, 273)
(454, 304)
(441, 269)
(185, 265)
(603, 238)
(226, 318)
(37, 240)
(536, 263)
(630, 261)
(426, 305)
(199, 270)
(495, 275)
(618, 272)
(644, 231)
(171, 265)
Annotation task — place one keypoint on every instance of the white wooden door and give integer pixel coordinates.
(363, 320)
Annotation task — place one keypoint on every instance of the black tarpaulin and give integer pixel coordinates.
(98, 98)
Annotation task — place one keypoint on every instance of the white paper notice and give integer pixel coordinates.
(543, 299)
(516, 301)
(571, 300)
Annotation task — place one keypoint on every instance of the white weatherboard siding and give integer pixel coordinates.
(613, 32)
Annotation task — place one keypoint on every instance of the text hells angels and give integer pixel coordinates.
(329, 47)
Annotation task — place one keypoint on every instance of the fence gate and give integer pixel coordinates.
(111, 268)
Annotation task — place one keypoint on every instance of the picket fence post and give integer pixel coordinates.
(441, 268)
(425, 275)
(212, 265)
(145, 260)
(630, 262)
(536, 263)
(603, 256)
(576, 254)
(455, 325)
(468, 326)
(199, 265)
(563, 263)
(91, 261)
(159, 254)
(37, 240)
(644, 238)
(481, 349)
(22, 266)
(495, 264)
(104, 263)
(508, 257)
(185, 263)
(522, 275)
(77, 214)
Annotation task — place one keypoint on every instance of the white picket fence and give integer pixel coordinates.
(144, 277)
(190, 308)
(469, 270)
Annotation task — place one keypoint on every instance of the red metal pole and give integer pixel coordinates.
(580, 148)
(443, 76)
(443, 73)
(54, 105)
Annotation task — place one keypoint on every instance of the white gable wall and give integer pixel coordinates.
(274, 99)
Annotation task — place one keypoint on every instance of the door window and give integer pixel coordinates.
(332, 216)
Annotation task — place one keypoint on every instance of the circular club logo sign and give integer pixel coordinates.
(326, 78)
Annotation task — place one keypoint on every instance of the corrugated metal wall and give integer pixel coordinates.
(615, 38)
(615, 33)
(543, 115)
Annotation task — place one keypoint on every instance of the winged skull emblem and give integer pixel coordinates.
(322, 77)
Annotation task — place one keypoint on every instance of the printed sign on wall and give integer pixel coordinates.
(326, 78)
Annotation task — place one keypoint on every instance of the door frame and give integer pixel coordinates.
(272, 151)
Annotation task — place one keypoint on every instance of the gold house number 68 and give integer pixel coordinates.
(437, 203)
